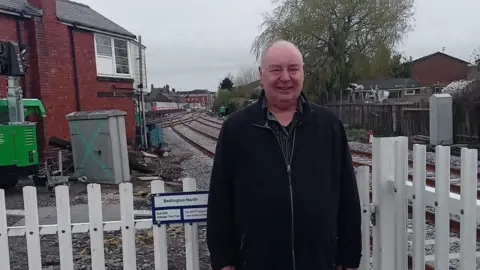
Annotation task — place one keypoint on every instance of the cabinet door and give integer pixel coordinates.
(7, 147)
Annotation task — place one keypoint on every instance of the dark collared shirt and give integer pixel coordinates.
(284, 134)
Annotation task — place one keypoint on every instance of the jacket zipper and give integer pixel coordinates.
(289, 171)
(241, 251)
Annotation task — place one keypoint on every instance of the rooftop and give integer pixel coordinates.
(69, 12)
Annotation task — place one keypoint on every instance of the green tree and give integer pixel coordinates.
(400, 67)
(226, 83)
(337, 37)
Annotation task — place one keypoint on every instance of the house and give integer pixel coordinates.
(163, 99)
(202, 97)
(78, 60)
(438, 69)
(399, 89)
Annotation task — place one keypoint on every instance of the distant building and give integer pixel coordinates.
(399, 89)
(202, 97)
(162, 98)
(439, 69)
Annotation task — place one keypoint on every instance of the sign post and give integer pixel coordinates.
(181, 207)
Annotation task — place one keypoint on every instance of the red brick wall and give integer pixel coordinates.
(51, 73)
(90, 85)
(439, 68)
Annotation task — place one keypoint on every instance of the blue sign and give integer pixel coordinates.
(181, 207)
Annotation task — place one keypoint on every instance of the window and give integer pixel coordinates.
(409, 92)
(113, 56)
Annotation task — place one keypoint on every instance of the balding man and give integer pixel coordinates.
(283, 193)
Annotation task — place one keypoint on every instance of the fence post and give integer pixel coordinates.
(64, 227)
(95, 218)
(442, 214)
(32, 228)
(401, 175)
(159, 233)
(468, 216)
(418, 222)
(191, 232)
(363, 182)
(4, 249)
(128, 226)
(383, 203)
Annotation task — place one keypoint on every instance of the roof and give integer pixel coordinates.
(196, 91)
(70, 12)
(457, 86)
(163, 95)
(389, 84)
(83, 15)
(19, 6)
(435, 54)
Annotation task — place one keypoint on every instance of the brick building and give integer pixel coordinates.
(78, 61)
(204, 98)
(438, 69)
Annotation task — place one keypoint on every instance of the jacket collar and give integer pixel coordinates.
(260, 117)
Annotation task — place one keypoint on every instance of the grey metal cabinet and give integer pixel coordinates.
(99, 146)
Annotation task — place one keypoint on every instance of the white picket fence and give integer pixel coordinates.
(386, 214)
(96, 227)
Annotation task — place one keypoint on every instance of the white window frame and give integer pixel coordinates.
(410, 92)
(113, 56)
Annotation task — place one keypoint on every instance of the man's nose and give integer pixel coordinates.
(285, 76)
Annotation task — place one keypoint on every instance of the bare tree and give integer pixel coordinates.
(246, 76)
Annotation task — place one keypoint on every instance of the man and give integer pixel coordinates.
(283, 193)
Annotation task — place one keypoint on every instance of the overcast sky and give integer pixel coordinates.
(193, 44)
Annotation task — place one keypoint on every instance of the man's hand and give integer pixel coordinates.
(228, 268)
(342, 268)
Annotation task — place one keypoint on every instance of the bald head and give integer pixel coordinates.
(281, 74)
(279, 48)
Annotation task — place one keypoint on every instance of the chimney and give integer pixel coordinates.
(49, 7)
(151, 86)
(167, 87)
(173, 90)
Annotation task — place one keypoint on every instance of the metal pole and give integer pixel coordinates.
(142, 102)
(14, 100)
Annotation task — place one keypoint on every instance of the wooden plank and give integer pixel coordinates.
(32, 228)
(64, 227)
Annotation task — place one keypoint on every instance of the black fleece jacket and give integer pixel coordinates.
(264, 214)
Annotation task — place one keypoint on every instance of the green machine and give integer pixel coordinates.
(18, 138)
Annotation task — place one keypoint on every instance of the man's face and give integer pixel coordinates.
(282, 75)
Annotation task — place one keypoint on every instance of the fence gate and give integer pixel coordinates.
(395, 211)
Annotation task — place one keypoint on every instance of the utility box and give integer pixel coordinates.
(99, 146)
(441, 119)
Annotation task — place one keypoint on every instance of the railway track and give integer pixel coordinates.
(361, 158)
(211, 120)
(208, 124)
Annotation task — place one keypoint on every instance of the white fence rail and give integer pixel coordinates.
(96, 227)
(386, 213)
